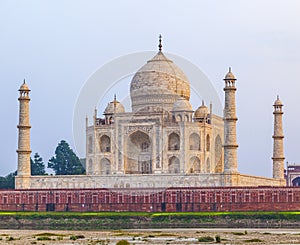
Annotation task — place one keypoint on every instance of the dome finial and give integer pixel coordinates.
(159, 45)
(24, 81)
(278, 97)
(115, 97)
(229, 69)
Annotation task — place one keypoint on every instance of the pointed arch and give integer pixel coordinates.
(207, 142)
(139, 150)
(208, 167)
(105, 145)
(90, 144)
(90, 167)
(187, 118)
(195, 165)
(296, 181)
(105, 166)
(174, 142)
(218, 154)
(174, 165)
(194, 141)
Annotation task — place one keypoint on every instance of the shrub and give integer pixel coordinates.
(80, 236)
(73, 238)
(254, 240)
(10, 238)
(218, 239)
(123, 242)
(206, 239)
(238, 233)
(43, 238)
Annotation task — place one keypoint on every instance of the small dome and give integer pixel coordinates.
(24, 87)
(278, 102)
(114, 107)
(182, 105)
(202, 111)
(229, 75)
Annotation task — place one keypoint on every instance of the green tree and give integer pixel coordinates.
(10, 180)
(65, 161)
(37, 165)
(3, 183)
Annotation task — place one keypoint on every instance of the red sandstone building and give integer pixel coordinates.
(154, 200)
(292, 175)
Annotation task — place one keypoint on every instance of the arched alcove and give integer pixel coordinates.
(194, 141)
(174, 165)
(218, 154)
(207, 142)
(105, 166)
(195, 166)
(105, 144)
(173, 142)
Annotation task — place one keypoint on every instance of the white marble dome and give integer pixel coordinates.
(201, 112)
(182, 105)
(159, 83)
(114, 107)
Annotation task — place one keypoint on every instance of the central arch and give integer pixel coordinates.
(138, 154)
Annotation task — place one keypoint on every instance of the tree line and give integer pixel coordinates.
(64, 162)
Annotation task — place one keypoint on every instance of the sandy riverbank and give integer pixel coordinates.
(152, 236)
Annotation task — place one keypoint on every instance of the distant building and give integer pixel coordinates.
(161, 143)
(292, 174)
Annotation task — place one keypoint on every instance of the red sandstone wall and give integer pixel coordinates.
(151, 200)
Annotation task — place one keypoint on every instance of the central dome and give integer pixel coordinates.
(159, 83)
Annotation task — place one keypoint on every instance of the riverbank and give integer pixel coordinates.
(153, 236)
(137, 220)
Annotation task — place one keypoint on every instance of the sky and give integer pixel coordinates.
(57, 46)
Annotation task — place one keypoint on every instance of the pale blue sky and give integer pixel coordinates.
(57, 45)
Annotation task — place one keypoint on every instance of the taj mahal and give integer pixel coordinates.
(162, 142)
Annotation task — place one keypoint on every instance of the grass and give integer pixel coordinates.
(147, 214)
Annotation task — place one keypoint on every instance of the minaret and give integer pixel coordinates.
(278, 154)
(24, 139)
(230, 144)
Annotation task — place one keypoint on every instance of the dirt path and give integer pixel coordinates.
(152, 236)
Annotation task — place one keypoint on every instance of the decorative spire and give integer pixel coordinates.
(159, 45)
(24, 81)
(202, 102)
(115, 100)
(278, 97)
(229, 69)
